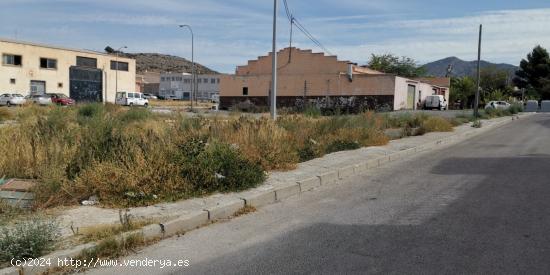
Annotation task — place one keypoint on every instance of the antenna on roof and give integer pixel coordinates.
(449, 70)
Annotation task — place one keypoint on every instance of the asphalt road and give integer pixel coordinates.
(479, 207)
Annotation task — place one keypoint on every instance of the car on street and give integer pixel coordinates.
(435, 102)
(61, 99)
(40, 99)
(12, 99)
(149, 96)
(498, 105)
(131, 99)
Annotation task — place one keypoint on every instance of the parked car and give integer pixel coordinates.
(500, 105)
(131, 99)
(436, 102)
(41, 99)
(12, 99)
(61, 99)
(150, 96)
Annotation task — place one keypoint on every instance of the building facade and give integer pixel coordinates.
(179, 85)
(148, 83)
(305, 77)
(86, 76)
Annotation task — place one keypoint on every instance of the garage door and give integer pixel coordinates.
(86, 84)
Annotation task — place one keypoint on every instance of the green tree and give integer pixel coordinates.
(534, 73)
(463, 89)
(391, 64)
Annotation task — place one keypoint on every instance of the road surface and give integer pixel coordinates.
(482, 206)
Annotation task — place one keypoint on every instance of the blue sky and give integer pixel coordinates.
(229, 32)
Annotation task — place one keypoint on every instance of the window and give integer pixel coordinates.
(218, 81)
(173, 78)
(60, 85)
(86, 62)
(120, 66)
(12, 80)
(205, 80)
(213, 81)
(200, 80)
(10, 59)
(245, 91)
(187, 81)
(47, 63)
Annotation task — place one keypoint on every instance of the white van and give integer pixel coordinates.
(131, 99)
(435, 102)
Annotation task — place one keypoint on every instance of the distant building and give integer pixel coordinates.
(179, 85)
(31, 68)
(305, 77)
(148, 83)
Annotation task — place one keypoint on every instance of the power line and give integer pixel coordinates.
(294, 21)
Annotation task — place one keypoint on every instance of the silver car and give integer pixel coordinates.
(12, 99)
(502, 105)
(41, 99)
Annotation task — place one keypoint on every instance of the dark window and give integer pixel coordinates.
(122, 66)
(10, 59)
(200, 80)
(245, 90)
(46, 63)
(59, 85)
(12, 80)
(218, 81)
(213, 81)
(86, 62)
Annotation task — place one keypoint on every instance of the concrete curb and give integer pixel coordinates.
(228, 207)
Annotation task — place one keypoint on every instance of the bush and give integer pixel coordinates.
(516, 108)
(312, 111)
(135, 115)
(217, 167)
(436, 124)
(31, 238)
(342, 145)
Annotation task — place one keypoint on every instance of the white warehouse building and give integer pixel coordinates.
(179, 86)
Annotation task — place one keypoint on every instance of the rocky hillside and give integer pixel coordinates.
(154, 62)
(463, 68)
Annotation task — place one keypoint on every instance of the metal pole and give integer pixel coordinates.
(116, 68)
(476, 106)
(274, 67)
(194, 78)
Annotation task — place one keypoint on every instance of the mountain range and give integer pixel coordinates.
(463, 68)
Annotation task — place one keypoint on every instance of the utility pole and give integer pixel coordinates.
(194, 80)
(116, 67)
(476, 103)
(274, 67)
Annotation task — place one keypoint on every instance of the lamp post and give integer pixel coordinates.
(274, 65)
(193, 81)
(116, 67)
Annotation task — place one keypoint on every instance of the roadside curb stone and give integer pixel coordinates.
(329, 177)
(224, 209)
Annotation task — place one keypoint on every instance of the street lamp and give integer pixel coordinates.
(116, 67)
(193, 88)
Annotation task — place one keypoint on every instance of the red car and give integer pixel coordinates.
(61, 99)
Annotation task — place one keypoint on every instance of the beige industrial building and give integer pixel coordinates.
(305, 77)
(86, 76)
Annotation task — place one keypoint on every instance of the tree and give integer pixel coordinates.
(391, 64)
(534, 73)
(463, 90)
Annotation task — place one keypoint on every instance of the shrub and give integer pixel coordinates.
(436, 124)
(218, 167)
(312, 111)
(516, 108)
(28, 239)
(342, 145)
(135, 115)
